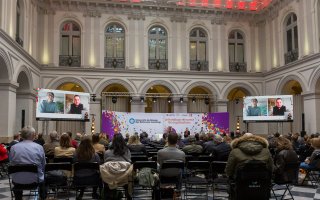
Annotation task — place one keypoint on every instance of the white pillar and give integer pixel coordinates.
(222, 105)
(179, 107)
(137, 105)
(24, 102)
(311, 112)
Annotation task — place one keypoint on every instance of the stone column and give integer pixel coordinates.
(180, 107)
(311, 111)
(137, 105)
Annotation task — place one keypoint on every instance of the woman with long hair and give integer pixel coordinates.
(118, 151)
(135, 145)
(86, 153)
(65, 149)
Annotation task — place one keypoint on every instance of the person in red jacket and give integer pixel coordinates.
(3, 153)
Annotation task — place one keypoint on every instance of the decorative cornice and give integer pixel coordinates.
(136, 16)
(92, 13)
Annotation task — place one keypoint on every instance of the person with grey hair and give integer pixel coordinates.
(28, 152)
(221, 150)
(52, 144)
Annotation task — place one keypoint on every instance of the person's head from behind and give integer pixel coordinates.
(50, 96)
(254, 102)
(279, 102)
(65, 141)
(17, 136)
(118, 145)
(76, 100)
(315, 143)
(85, 151)
(70, 134)
(172, 138)
(95, 138)
(28, 133)
(134, 140)
(54, 136)
(283, 143)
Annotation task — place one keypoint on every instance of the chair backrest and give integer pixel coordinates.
(137, 153)
(58, 166)
(218, 167)
(198, 165)
(253, 181)
(22, 168)
(175, 164)
(86, 165)
(143, 164)
(139, 158)
(206, 158)
(63, 159)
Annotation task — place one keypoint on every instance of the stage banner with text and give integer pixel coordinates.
(155, 124)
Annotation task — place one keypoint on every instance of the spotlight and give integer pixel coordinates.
(93, 97)
(114, 99)
(154, 99)
(193, 99)
(169, 99)
(130, 99)
(141, 99)
(206, 100)
(181, 99)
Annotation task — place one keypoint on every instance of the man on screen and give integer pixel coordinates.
(76, 106)
(254, 110)
(48, 106)
(279, 109)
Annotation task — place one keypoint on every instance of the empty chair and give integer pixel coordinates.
(18, 188)
(197, 179)
(220, 182)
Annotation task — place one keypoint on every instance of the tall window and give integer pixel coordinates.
(198, 49)
(115, 38)
(291, 38)
(19, 22)
(236, 51)
(70, 44)
(158, 47)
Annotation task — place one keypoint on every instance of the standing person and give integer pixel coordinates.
(254, 110)
(28, 152)
(76, 106)
(86, 153)
(279, 109)
(48, 106)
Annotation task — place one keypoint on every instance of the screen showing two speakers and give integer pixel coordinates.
(62, 105)
(268, 108)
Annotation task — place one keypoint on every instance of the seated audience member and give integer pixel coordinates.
(163, 140)
(99, 148)
(313, 162)
(74, 143)
(245, 148)
(104, 139)
(198, 141)
(135, 145)
(3, 153)
(284, 155)
(16, 139)
(78, 137)
(192, 147)
(221, 150)
(86, 153)
(126, 139)
(50, 146)
(144, 138)
(295, 143)
(305, 150)
(28, 152)
(118, 151)
(170, 153)
(180, 144)
(207, 146)
(39, 139)
(65, 149)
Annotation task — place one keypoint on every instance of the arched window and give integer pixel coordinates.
(291, 38)
(236, 51)
(158, 52)
(115, 38)
(19, 22)
(198, 50)
(70, 44)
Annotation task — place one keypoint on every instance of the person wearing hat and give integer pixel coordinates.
(48, 106)
(313, 162)
(192, 147)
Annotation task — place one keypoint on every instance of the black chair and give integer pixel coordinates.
(291, 170)
(63, 160)
(33, 187)
(49, 158)
(137, 153)
(197, 179)
(81, 182)
(4, 168)
(101, 156)
(139, 158)
(56, 179)
(252, 182)
(137, 166)
(313, 175)
(172, 182)
(220, 181)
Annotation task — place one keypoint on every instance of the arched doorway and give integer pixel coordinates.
(72, 126)
(115, 97)
(235, 105)
(199, 100)
(159, 100)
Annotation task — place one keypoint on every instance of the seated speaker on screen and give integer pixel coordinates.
(254, 109)
(76, 107)
(279, 109)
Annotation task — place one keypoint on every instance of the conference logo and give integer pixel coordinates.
(132, 121)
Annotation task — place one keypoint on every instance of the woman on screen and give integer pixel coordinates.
(48, 106)
(254, 109)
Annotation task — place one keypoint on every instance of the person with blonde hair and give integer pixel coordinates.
(135, 145)
(65, 149)
(312, 162)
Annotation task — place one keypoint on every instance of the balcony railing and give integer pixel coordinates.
(291, 56)
(19, 40)
(70, 61)
(114, 63)
(197, 65)
(238, 67)
(158, 64)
